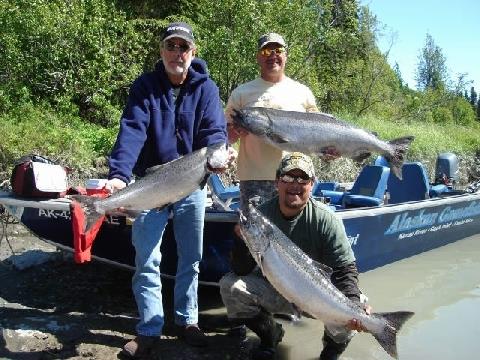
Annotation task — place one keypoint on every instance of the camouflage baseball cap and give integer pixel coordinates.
(296, 160)
(266, 39)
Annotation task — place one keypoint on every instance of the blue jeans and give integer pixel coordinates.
(147, 231)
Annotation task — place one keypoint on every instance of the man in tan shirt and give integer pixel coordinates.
(257, 160)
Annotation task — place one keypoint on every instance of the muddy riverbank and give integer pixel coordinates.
(60, 310)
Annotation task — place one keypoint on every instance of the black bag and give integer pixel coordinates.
(36, 176)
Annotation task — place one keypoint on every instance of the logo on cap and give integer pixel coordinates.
(179, 29)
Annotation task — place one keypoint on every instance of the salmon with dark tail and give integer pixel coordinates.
(162, 185)
(306, 283)
(320, 133)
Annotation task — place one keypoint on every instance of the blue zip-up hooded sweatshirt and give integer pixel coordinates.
(156, 129)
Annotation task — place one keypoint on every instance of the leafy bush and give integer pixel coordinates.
(82, 53)
(66, 67)
(463, 112)
(442, 115)
(67, 139)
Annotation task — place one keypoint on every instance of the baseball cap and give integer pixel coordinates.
(178, 29)
(296, 160)
(271, 38)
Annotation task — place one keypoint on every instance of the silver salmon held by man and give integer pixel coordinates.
(307, 285)
(319, 133)
(162, 185)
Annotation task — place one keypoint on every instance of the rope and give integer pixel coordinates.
(6, 219)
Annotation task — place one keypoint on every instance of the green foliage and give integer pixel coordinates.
(462, 112)
(473, 97)
(431, 70)
(442, 115)
(435, 105)
(478, 110)
(430, 139)
(84, 53)
(66, 67)
(228, 33)
(39, 129)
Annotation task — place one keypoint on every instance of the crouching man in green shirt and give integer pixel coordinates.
(249, 297)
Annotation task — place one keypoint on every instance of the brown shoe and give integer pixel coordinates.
(140, 347)
(193, 335)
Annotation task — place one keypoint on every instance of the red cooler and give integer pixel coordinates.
(95, 186)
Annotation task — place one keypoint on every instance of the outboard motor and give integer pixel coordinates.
(446, 170)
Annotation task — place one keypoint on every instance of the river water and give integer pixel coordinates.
(441, 286)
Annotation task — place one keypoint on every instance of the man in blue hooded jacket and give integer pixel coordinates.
(171, 111)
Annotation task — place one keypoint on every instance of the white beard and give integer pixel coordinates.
(180, 68)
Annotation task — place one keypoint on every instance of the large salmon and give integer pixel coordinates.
(306, 283)
(162, 185)
(319, 133)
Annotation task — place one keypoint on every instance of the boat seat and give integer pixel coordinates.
(327, 189)
(228, 197)
(382, 161)
(320, 186)
(414, 186)
(367, 190)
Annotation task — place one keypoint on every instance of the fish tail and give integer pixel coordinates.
(89, 209)
(397, 157)
(387, 338)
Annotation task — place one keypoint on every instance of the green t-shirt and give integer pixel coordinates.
(316, 230)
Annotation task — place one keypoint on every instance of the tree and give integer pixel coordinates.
(478, 110)
(398, 74)
(473, 97)
(431, 70)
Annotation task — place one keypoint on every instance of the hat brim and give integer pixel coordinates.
(180, 36)
(272, 42)
(294, 167)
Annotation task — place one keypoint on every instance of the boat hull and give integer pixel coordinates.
(378, 236)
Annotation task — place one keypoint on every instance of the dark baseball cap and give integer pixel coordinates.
(178, 29)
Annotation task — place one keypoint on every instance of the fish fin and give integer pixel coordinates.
(204, 180)
(152, 169)
(307, 315)
(361, 157)
(279, 139)
(238, 118)
(397, 157)
(258, 259)
(387, 338)
(132, 214)
(88, 206)
(326, 271)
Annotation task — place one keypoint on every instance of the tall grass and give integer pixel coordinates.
(64, 138)
(430, 140)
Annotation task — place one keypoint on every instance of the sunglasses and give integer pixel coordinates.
(268, 52)
(170, 46)
(299, 179)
